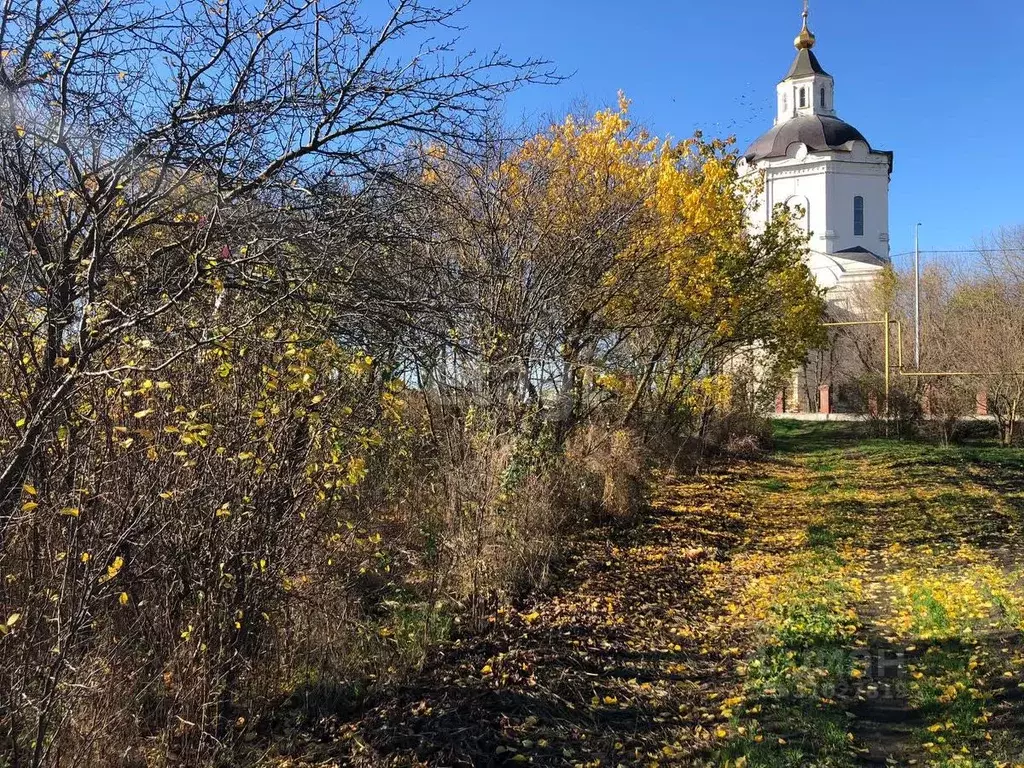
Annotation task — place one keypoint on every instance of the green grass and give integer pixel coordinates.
(867, 494)
(825, 464)
(930, 616)
(802, 662)
(823, 741)
(821, 536)
(1009, 611)
(814, 614)
(957, 718)
(822, 488)
(824, 443)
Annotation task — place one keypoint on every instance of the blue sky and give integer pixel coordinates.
(938, 82)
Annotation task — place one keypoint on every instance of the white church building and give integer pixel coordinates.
(824, 169)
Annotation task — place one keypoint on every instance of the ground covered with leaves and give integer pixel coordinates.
(843, 602)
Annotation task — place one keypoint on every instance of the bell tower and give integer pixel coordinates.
(826, 173)
(807, 89)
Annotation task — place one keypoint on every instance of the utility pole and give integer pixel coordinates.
(886, 413)
(917, 296)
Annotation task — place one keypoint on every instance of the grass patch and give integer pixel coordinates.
(821, 536)
(791, 717)
(822, 488)
(927, 538)
(819, 738)
(968, 619)
(930, 616)
(952, 702)
(824, 464)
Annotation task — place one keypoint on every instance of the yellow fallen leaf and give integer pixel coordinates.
(112, 570)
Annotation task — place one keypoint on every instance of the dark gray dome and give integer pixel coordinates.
(819, 132)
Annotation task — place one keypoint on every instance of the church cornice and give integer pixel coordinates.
(831, 162)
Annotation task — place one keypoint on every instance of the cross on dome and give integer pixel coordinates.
(805, 40)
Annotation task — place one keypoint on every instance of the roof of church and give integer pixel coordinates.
(805, 64)
(862, 255)
(819, 132)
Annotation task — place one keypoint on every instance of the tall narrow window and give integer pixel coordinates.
(858, 216)
(803, 98)
(822, 98)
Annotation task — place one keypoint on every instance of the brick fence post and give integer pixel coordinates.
(983, 403)
(825, 399)
(873, 405)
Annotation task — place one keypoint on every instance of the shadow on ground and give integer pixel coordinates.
(608, 668)
(633, 659)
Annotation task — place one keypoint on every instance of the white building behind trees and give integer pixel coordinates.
(837, 187)
(823, 168)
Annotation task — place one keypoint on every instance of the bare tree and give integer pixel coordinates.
(972, 331)
(946, 399)
(150, 154)
(186, 190)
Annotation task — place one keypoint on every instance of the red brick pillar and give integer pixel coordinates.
(825, 399)
(873, 405)
(780, 401)
(983, 403)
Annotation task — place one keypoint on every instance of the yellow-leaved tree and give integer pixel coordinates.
(604, 269)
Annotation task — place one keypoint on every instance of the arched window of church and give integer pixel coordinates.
(858, 216)
(822, 98)
(803, 98)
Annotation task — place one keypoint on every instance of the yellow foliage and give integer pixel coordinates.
(112, 570)
(659, 231)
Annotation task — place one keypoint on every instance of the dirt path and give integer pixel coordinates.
(838, 604)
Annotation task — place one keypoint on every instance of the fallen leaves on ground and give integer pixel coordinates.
(841, 603)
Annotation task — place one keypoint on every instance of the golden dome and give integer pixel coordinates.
(806, 38)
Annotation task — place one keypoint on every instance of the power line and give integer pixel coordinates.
(959, 251)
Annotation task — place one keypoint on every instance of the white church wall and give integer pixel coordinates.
(826, 188)
(823, 186)
(794, 182)
(849, 179)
